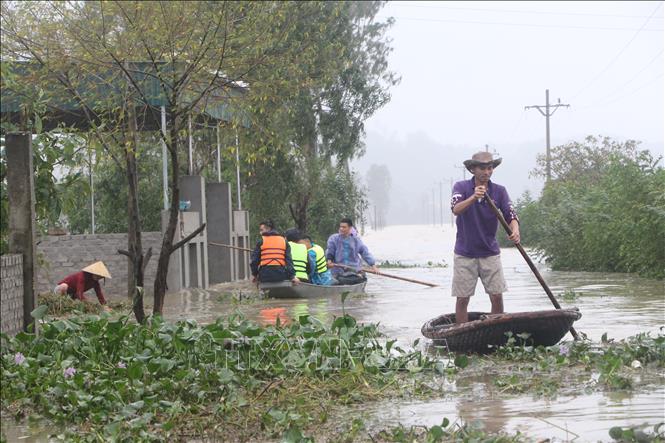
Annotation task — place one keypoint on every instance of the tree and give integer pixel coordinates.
(604, 210)
(187, 56)
(317, 120)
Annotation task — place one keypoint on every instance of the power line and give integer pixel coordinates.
(616, 57)
(620, 88)
(529, 25)
(520, 11)
(633, 92)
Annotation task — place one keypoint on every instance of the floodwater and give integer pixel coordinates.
(620, 305)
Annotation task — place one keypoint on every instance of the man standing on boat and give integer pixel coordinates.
(271, 258)
(477, 252)
(346, 248)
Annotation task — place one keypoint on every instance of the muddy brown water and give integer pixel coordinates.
(620, 305)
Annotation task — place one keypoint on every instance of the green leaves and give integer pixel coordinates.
(579, 221)
(39, 312)
(118, 375)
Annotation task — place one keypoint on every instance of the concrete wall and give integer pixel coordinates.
(11, 297)
(61, 255)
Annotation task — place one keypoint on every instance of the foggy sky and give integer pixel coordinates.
(469, 68)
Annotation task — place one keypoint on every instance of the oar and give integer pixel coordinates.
(230, 246)
(383, 274)
(344, 267)
(519, 247)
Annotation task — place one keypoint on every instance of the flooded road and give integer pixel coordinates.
(621, 305)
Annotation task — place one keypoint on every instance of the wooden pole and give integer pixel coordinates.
(383, 274)
(528, 260)
(229, 246)
(432, 285)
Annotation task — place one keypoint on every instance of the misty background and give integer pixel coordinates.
(468, 70)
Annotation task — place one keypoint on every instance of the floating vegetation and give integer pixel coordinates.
(608, 365)
(569, 295)
(398, 264)
(445, 432)
(113, 379)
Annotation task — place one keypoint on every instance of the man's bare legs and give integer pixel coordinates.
(461, 313)
(497, 303)
(462, 305)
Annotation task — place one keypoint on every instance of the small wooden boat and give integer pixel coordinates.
(286, 289)
(484, 332)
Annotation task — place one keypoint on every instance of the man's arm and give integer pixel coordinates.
(256, 258)
(459, 205)
(365, 254)
(509, 213)
(311, 262)
(290, 271)
(331, 250)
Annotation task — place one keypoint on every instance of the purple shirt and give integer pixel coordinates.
(476, 227)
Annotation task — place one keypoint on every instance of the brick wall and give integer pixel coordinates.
(61, 255)
(11, 297)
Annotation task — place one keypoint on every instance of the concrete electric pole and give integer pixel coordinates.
(547, 114)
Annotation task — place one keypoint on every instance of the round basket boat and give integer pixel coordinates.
(484, 332)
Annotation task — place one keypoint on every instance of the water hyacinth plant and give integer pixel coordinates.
(117, 379)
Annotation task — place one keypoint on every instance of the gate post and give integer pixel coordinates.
(21, 197)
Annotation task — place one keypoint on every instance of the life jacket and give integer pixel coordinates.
(273, 251)
(321, 263)
(299, 257)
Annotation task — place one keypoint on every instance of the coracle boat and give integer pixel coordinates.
(484, 332)
(286, 289)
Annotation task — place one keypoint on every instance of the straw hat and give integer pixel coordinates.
(98, 268)
(482, 159)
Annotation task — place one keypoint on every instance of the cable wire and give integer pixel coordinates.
(616, 57)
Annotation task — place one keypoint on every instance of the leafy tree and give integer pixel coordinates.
(604, 210)
(317, 120)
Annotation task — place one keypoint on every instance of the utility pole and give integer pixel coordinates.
(441, 201)
(547, 114)
(433, 208)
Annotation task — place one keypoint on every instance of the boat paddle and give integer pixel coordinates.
(519, 247)
(383, 274)
(230, 246)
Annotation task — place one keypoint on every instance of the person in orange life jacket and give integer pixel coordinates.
(76, 284)
(303, 263)
(271, 258)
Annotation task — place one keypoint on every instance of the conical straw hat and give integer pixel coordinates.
(98, 268)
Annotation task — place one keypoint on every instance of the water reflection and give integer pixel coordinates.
(584, 417)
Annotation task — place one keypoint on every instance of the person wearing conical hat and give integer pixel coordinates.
(477, 253)
(87, 278)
